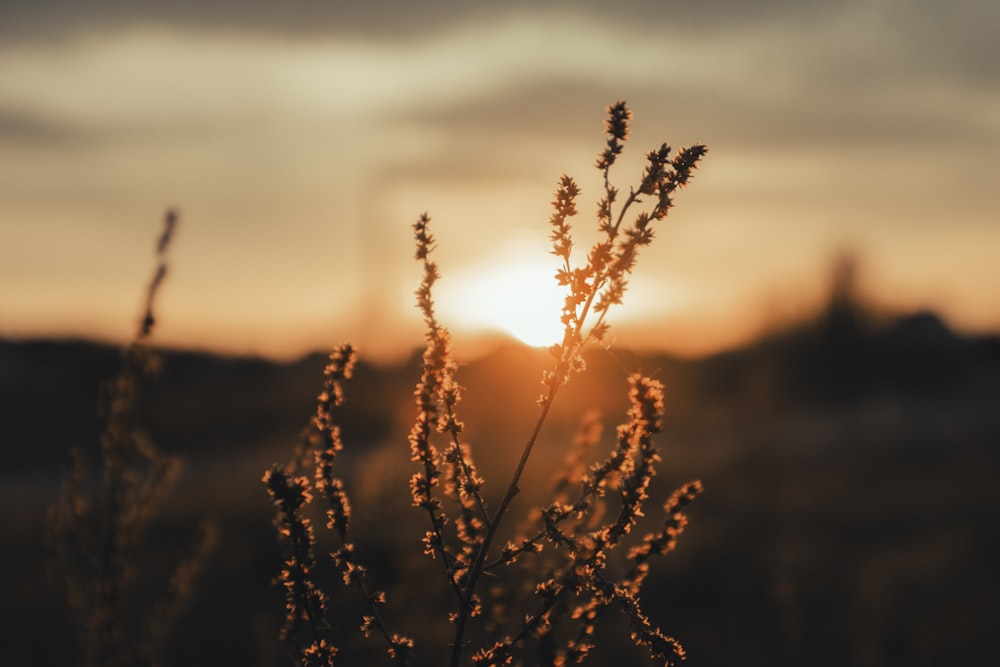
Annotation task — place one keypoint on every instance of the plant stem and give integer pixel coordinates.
(512, 490)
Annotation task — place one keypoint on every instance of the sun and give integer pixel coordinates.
(519, 298)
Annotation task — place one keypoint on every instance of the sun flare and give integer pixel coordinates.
(520, 299)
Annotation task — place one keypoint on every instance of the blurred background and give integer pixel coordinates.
(822, 303)
(301, 142)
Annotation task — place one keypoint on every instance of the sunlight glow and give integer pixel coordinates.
(519, 298)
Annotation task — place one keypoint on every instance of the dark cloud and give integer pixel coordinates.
(32, 19)
(840, 93)
(19, 128)
(817, 118)
(955, 39)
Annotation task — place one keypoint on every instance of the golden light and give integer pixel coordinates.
(519, 298)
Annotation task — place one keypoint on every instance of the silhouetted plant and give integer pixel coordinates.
(99, 520)
(571, 585)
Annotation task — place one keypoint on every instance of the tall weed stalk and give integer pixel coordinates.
(98, 522)
(565, 555)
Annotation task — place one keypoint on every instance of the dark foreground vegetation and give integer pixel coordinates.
(851, 467)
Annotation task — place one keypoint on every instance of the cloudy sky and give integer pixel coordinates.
(300, 140)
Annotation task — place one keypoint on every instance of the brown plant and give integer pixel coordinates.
(97, 524)
(565, 557)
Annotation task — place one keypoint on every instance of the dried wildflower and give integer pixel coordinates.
(617, 128)
(665, 541)
(97, 525)
(565, 208)
(305, 604)
(319, 654)
(401, 649)
(566, 556)
(437, 395)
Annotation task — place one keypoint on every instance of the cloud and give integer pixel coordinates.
(17, 128)
(956, 38)
(375, 19)
(385, 54)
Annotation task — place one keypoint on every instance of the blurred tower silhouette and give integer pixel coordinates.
(843, 315)
(843, 352)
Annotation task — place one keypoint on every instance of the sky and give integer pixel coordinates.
(299, 141)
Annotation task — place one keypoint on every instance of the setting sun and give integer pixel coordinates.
(521, 299)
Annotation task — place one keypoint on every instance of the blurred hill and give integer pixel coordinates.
(199, 403)
(851, 465)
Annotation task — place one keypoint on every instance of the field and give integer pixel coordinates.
(849, 461)
(849, 516)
